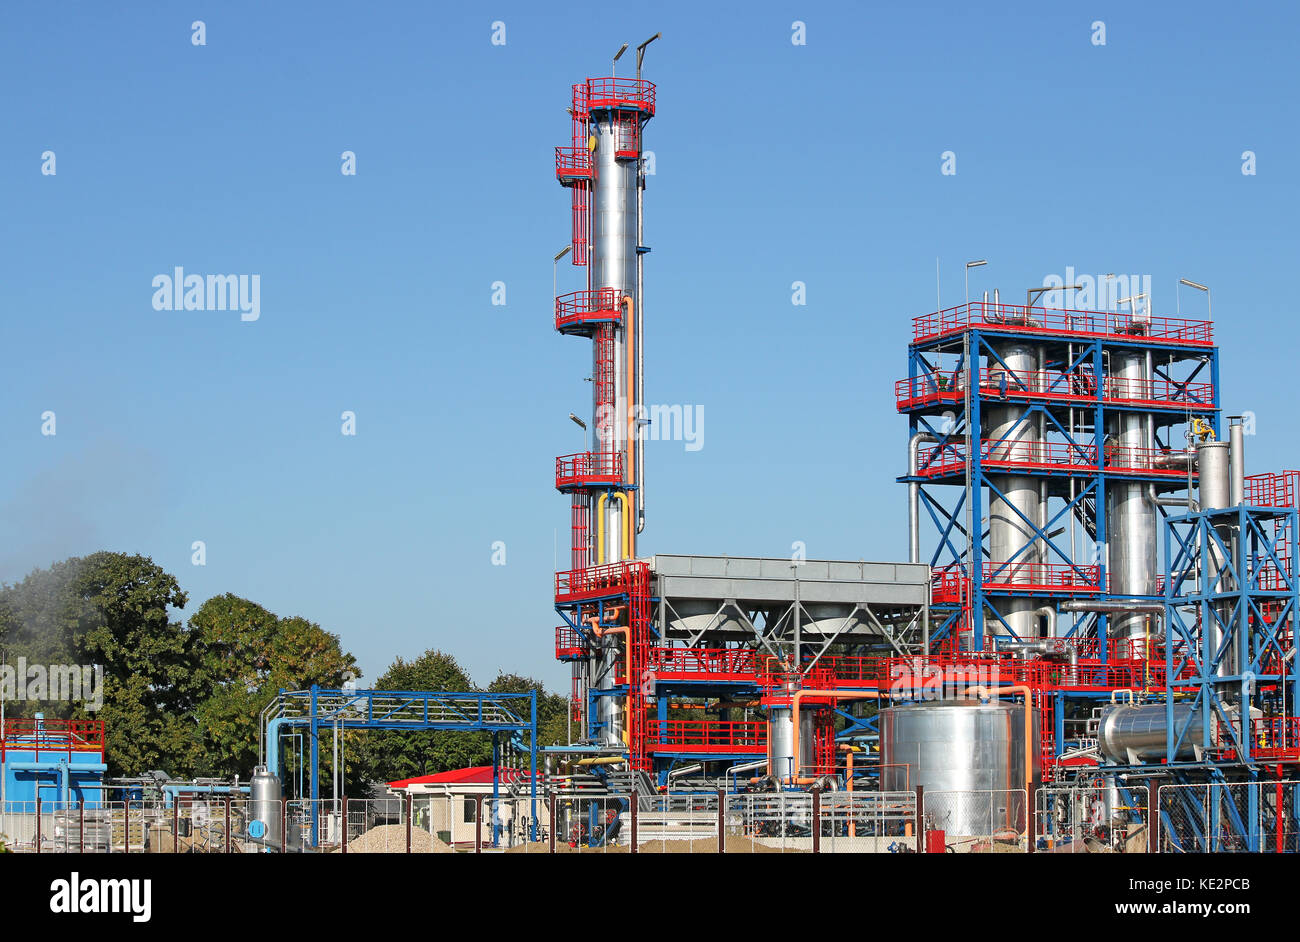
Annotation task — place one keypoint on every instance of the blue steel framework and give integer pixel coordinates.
(1073, 461)
(412, 710)
(1249, 611)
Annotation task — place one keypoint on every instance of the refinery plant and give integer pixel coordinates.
(1087, 643)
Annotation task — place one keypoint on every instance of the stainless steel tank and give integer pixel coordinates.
(781, 741)
(1021, 500)
(969, 757)
(1214, 466)
(1131, 555)
(264, 807)
(1132, 734)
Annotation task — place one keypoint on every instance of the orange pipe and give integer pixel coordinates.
(794, 715)
(848, 785)
(1030, 745)
(629, 375)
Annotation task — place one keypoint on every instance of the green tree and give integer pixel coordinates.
(552, 709)
(244, 656)
(389, 755)
(113, 609)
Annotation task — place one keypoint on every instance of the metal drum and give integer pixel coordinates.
(264, 823)
(969, 757)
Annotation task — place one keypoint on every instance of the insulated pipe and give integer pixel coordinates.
(794, 715)
(1237, 463)
(1030, 746)
(1112, 606)
(1189, 501)
(633, 425)
(600, 526)
(914, 494)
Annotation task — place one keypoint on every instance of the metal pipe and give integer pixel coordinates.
(836, 694)
(632, 419)
(914, 494)
(1237, 461)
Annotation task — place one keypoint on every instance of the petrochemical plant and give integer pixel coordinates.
(1090, 644)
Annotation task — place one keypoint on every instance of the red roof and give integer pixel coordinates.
(474, 775)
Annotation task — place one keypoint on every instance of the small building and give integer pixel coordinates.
(445, 805)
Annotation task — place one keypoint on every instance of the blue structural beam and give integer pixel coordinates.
(414, 710)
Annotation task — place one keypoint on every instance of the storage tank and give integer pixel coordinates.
(960, 746)
(781, 738)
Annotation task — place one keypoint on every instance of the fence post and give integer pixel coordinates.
(176, 825)
(1031, 813)
(226, 829)
(284, 824)
(817, 821)
(126, 826)
(1153, 817)
(920, 819)
(631, 811)
(410, 809)
(551, 808)
(344, 849)
(38, 821)
(722, 821)
(81, 824)
(478, 824)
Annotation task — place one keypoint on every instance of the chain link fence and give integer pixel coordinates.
(1220, 818)
(982, 821)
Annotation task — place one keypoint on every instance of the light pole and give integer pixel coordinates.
(969, 266)
(1033, 294)
(582, 425)
(1209, 310)
(640, 53)
(613, 66)
(555, 270)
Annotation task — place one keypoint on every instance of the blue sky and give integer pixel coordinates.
(775, 163)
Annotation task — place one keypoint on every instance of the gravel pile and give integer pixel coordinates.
(391, 839)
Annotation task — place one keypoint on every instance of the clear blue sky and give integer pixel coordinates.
(775, 163)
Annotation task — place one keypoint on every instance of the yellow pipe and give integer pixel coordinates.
(848, 786)
(601, 760)
(600, 525)
(600, 529)
(794, 716)
(1030, 745)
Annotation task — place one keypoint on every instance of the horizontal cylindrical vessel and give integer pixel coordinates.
(1130, 734)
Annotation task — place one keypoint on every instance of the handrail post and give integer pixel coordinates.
(722, 821)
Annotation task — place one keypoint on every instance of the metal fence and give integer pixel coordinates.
(1261, 817)
(1247, 817)
(980, 820)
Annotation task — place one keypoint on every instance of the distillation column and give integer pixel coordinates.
(618, 110)
(1011, 536)
(1130, 515)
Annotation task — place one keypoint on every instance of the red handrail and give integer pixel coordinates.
(1043, 320)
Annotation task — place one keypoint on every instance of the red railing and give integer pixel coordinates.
(572, 163)
(1040, 320)
(950, 457)
(568, 644)
(706, 663)
(588, 468)
(581, 307)
(947, 387)
(595, 581)
(746, 736)
(1272, 489)
(620, 93)
(53, 735)
(1270, 738)
(1023, 576)
(1122, 459)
